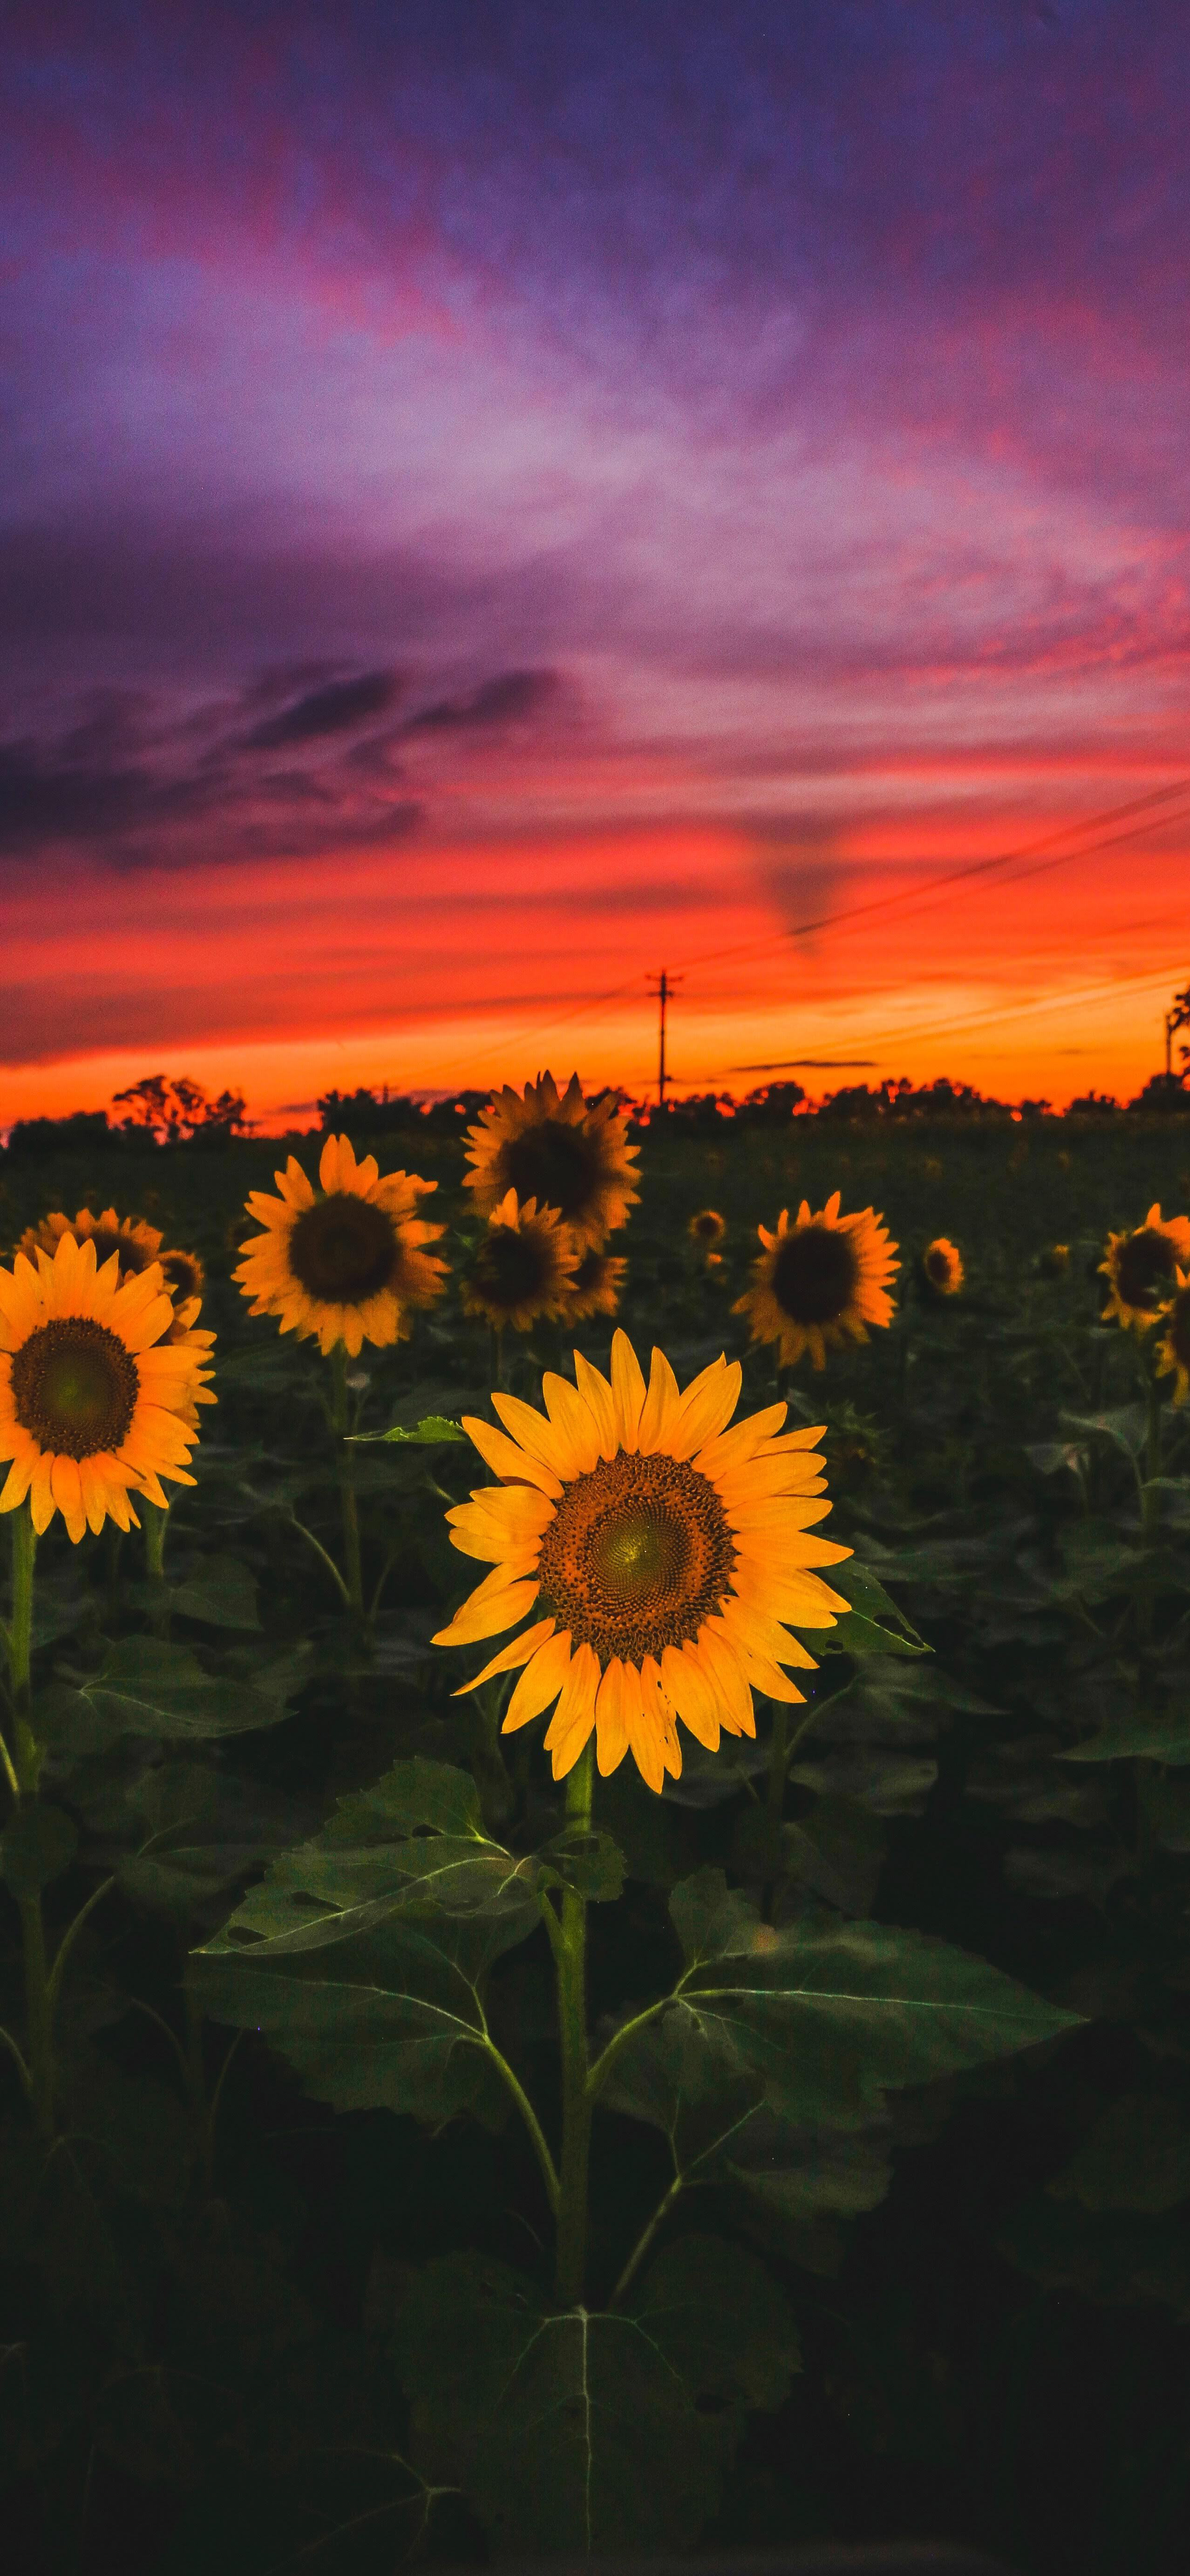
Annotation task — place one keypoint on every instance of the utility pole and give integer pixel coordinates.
(664, 987)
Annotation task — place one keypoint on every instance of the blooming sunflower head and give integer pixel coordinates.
(344, 1262)
(1172, 1357)
(820, 1281)
(94, 1404)
(706, 1229)
(566, 1152)
(1141, 1268)
(942, 1267)
(134, 1242)
(523, 1267)
(598, 1281)
(659, 1552)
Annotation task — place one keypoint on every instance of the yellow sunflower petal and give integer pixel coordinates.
(506, 1458)
(509, 1657)
(692, 1694)
(600, 1402)
(628, 1390)
(618, 1699)
(660, 1408)
(486, 1616)
(540, 1682)
(707, 1406)
(574, 1715)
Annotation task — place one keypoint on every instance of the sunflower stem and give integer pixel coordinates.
(155, 1525)
(352, 1568)
(570, 1954)
(775, 1802)
(497, 1354)
(38, 2005)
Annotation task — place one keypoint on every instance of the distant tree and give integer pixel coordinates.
(173, 1112)
(1165, 1095)
(1177, 1017)
(1094, 1104)
(84, 1127)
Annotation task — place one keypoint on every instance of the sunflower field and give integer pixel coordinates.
(596, 1850)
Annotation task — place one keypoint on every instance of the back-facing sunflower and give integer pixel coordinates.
(1141, 1266)
(522, 1268)
(133, 1240)
(565, 1152)
(942, 1267)
(344, 1262)
(94, 1405)
(662, 1551)
(820, 1281)
(598, 1281)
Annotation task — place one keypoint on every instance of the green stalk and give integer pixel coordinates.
(38, 2007)
(570, 1955)
(155, 1526)
(352, 1569)
(1150, 1500)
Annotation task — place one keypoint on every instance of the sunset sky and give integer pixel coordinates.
(501, 496)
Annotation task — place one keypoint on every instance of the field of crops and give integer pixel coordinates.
(886, 2030)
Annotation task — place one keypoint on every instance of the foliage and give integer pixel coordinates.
(888, 2009)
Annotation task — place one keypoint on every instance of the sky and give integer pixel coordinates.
(502, 497)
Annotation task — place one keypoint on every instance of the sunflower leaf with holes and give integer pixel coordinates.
(363, 1954)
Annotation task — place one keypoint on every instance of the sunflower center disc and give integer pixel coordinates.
(511, 1267)
(343, 1249)
(1145, 1265)
(553, 1163)
(74, 1386)
(637, 1555)
(814, 1274)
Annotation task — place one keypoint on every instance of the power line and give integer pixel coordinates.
(663, 988)
(1010, 859)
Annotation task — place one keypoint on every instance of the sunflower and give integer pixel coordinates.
(660, 1552)
(1054, 1261)
(567, 1153)
(707, 1229)
(1172, 1355)
(134, 1242)
(819, 1281)
(185, 1277)
(523, 1267)
(343, 1262)
(94, 1405)
(597, 1285)
(1141, 1267)
(942, 1263)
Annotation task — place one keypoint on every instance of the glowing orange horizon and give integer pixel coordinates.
(473, 965)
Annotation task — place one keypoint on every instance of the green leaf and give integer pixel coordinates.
(220, 1591)
(1125, 1425)
(147, 1687)
(1137, 2156)
(37, 1844)
(721, 2321)
(782, 2174)
(862, 1587)
(852, 1634)
(413, 1845)
(1164, 1736)
(822, 2016)
(387, 2021)
(590, 1863)
(432, 1432)
(570, 2434)
(413, 1903)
